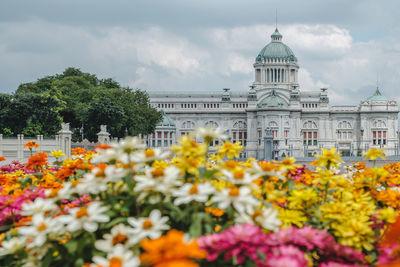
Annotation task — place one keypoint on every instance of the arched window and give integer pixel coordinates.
(239, 132)
(212, 124)
(274, 128)
(379, 132)
(310, 133)
(187, 127)
(344, 130)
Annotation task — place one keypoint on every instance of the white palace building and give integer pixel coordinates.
(301, 122)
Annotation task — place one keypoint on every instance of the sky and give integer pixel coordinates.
(180, 45)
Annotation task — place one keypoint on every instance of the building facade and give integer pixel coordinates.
(301, 122)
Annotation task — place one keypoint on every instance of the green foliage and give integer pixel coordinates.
(84, 100)
(30, 114)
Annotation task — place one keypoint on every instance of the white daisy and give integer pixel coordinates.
(119, 235)
(151, 227)
(266, 218)
(39, 205)
(107, 156)
(86, 217)
(118, 257)
(239, 177)
(149, 155)
(190, 192)
(12, 246)
(129, 145)
(40, 227)
(240, 198)
(157, 181)
(209, 134)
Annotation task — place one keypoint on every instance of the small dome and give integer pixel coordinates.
(276, 49)
(273, 100)
(166, 121)
(377, 96)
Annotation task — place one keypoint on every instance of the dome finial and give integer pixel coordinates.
(276, 36)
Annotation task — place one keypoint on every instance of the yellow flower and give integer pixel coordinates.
(288, 164)
(291, 217)
(159, 164)
(335, 210)
(301, 199)
(387, 215)
(329, 158)
(374, 153)
(230, 150)
(57, 153)
(355, 232)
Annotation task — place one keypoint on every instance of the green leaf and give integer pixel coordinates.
(47, 259)
(72, 246)
(261, 255)
(116, 221)
(195, 228)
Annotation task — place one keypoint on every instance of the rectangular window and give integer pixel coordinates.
(165, 135)
(159, 135)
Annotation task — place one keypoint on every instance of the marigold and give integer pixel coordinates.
(328, 159)
(37, 161)
(374, 153)
(57, 153)
(171, 250)
(231, 150)
(31, 145)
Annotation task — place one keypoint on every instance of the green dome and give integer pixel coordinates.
(166, 121)
(378, 96)
(273, 100)
(276, 49)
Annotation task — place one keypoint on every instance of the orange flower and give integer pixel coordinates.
(215, 211)
(37, 161)
(103, 146)
(78, 151)
(392, 233)
(31, 144)
(2, 158)
(171, 250)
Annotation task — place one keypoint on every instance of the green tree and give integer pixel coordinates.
(80, 93)
(104, 111)
(33, 114)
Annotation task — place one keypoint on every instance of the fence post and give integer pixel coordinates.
(1, 145)
(65, 136)
(103, 137)
(20, 147)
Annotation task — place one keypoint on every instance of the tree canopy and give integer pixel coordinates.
(81, 99)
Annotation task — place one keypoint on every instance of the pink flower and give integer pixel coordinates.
(286, 256)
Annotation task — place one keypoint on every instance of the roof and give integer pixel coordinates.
(276, 49)
(166, 121)
(377, 96)
(273, 100)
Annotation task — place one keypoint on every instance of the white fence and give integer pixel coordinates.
(12, 148)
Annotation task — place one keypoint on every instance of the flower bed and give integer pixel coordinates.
(125, 205)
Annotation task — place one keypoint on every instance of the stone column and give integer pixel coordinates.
(103, 137)
(251, 135)
(268, 147)
(65, 136)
